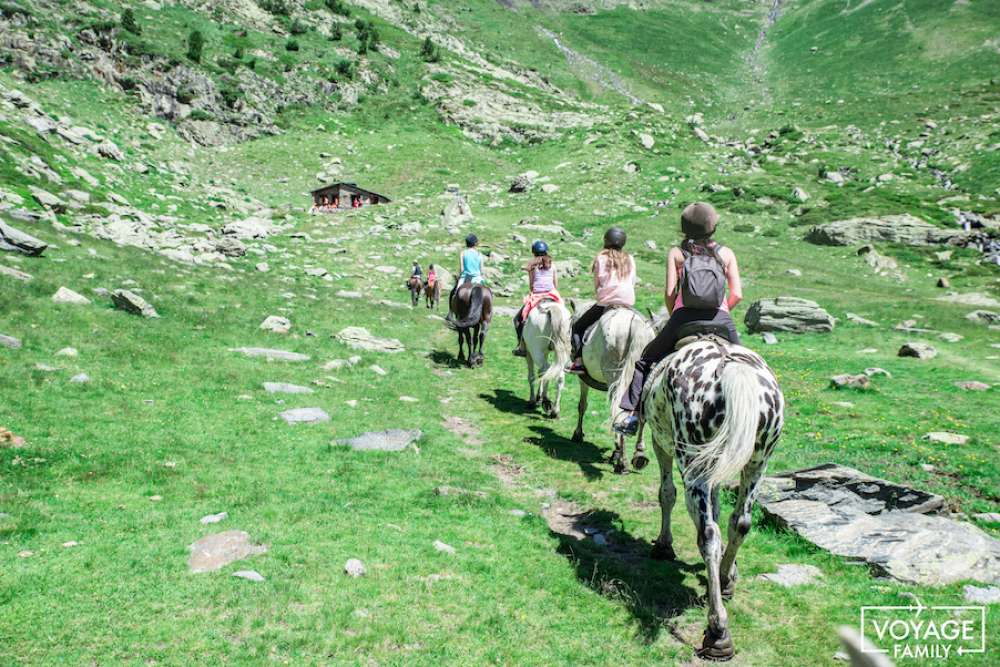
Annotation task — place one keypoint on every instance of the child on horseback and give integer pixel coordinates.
(431, 276)
(544, 285)
(470, 262)
(698, 273)
(614, 283)
(416, 271)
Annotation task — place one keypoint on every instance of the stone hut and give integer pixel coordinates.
(340, 196)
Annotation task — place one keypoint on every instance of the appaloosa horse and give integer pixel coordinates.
(716, 407)
(547, 330)
(471, 309)
(416, 286)
(610, 351)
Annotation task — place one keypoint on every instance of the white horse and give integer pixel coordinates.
(610, 351)
(547, 330)
(717, 408)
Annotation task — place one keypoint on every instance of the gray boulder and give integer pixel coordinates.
(230, 246)
(360, 339)
(13, 273)
(786, 313)
(456, 211)
(250, 228)
(131, 302)
(903, 229)
(213, 552)
(305, 415)
(286, 388)
(983, 317)
(918, 350)
(108, 149)
(16, 240)
(67, 296)
(269, 354)
(276, 324)
(521, 184)
(9, 342)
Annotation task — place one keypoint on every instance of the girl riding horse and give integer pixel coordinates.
(544, 285)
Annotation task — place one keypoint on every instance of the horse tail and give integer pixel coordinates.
(636, 342)
(559, 325)
(730, 449)
(475, 310)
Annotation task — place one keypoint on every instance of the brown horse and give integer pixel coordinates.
(471, 309)
(432, 294)
(416, 286)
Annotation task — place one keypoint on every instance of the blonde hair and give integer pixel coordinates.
(619, 262)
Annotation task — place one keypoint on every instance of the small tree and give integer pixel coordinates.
(128, 22)
(429, 51)
(196, 43)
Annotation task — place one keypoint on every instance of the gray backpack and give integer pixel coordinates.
(703, 284)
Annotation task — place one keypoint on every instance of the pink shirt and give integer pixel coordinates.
(613, 290)
(544, 281)
(679, 302)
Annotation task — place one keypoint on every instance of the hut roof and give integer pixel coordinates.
(350, 186)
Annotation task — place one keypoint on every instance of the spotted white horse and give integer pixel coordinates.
(547, 330)
(717, 408)
(610, 351)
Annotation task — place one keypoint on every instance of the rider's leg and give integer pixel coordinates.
(519, 329)
(580, 327)
(723, 317)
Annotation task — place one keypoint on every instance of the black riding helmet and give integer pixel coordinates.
(539, 248)
(471, 240)
(615, 238)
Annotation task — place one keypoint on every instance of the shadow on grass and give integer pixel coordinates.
(509, 402)
(653, 591)
(443, 358)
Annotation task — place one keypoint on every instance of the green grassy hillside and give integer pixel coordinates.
(100, 501)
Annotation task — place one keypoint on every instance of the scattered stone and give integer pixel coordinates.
(249, 575)
(769, 338)
(276, 324)
(835, 177)
(378, 370)
(286, 388)
(851, 514)
(70, 544)
(983, 317)
(876, 371)
(786, 313)
(943, 282)
(522, 183)
(25, 554)
(215, 551)
(13, 239)
(647, 140)
(392, 440)
(360, 339)
(349, 294)
(131, 302)
(550, 188)
(155, 499)
(214, 518)
(978, 595)
(444, 548)
(795, 273)
(230, 246)
(950, 337)
(800, 195)
(80, 378)
(10, 342)
(47, 199)
(305, 415)
(971, 299)
(12, 272)
(520, 514)
(902, 229)
(880, 264)
(631, 167)
(946, 438)
(67, 352)
(68, 296)
(857, 319)
(108, 149)
(701, 134)
(250, 228)
(354, 568)
(988, 517)
(409, 399)
(850, 381)
(918, 350)
(791, 575)
(972, 385)
(269, 354)
(262, 267)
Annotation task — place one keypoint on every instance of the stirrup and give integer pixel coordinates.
(628, 426)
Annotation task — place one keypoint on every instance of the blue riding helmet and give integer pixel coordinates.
(539, 248)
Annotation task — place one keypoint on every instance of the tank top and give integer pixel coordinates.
(543, 281)
(472, 263)
(612, 289)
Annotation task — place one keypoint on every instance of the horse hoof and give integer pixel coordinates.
(727, 590)
(577, 436)
(640, 461)
(662, 552)
(620, 468)
(717, 648)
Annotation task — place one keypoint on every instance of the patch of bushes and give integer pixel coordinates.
(429, 51)
(468, 103)
(200, 114)
(346, 69)
(129, 23)
(368, 37)
(11, 9)
(231, 95)
(196, 44)
(185, 94)
(442, 77)
(336, 33)
(338, 7)
(298, 28)
(291, 45)
(275, 7)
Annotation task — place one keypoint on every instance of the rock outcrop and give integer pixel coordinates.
(786, 313)
(903, 229)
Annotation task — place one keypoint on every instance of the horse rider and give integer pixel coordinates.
(698, 273)
(543, 286)
(614, 284)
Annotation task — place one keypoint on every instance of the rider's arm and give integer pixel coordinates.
(531, 278)
(461, 266)
(733, 278)
(555, 278)
(670, 291)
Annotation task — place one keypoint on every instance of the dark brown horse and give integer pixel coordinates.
(416, 286)
(471, 309)
(432, 294)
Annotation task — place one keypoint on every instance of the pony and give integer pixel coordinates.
(610, 351)
(416, 286)
(547, 330)
(717, 409)
(470, 312)
(432, 294)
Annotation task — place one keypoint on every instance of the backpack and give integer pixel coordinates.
(703, 285)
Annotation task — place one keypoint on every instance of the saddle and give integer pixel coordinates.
(695, 331)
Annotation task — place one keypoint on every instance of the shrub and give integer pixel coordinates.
(276, 7)
(368, 37)
(345, 68)
(201, 114)
(185, 94)
(298, 28)
(291, 45)
(196, 44)
(442, 77)
(336, 33)
(338, 7)
(128, 22)
(231, 95)
(429, 51)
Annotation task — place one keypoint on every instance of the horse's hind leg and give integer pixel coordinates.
(639, 458)
(618, 456)
(581, 410)
(532, 398)
(740, 520)
(717, 644)
(663, 547)
(461, 340)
